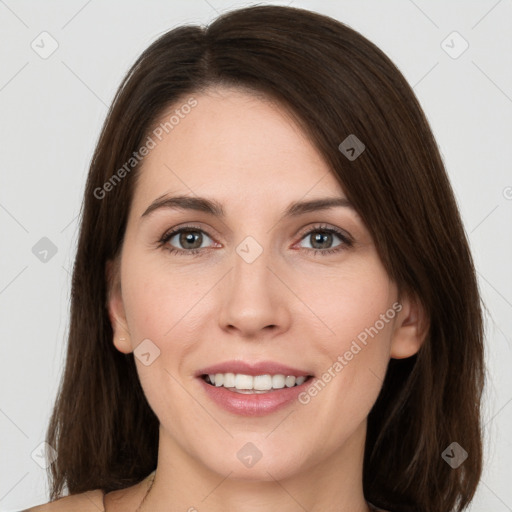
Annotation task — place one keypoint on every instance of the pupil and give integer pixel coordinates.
(318, 238)
(188, 237)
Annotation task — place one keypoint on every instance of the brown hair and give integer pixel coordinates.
(336, 83)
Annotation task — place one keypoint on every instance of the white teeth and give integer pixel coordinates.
(262, 382)
(229, 380)
(289, 381)
(278, 381)
(257, 383)
(242, 381)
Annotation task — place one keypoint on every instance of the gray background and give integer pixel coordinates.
(51, 114)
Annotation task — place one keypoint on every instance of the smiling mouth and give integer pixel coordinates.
(248, 384)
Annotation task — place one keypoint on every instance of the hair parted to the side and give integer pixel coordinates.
(336, 83)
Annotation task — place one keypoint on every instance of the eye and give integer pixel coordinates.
(190, 238)
(322, 238)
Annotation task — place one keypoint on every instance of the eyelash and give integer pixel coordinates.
(346, 240)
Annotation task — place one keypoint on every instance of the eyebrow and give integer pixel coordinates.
(213, 207)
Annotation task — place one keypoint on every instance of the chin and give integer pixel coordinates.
(276, 466)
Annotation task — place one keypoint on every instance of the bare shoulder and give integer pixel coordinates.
(96, 501)
(90, 501)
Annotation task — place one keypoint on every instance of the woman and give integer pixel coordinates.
(319, 344)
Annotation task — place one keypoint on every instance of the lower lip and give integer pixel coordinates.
(257, 404)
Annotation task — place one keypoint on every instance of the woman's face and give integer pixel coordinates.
(261, 286)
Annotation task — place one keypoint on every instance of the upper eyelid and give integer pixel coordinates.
(178, 229)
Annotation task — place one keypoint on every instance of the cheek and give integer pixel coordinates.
(158, 299)
(351, 302)
(352, 377)
(360, 313)
(159, 306)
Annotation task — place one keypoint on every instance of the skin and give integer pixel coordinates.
(289, 305)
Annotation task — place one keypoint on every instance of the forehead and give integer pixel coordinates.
(233, 145)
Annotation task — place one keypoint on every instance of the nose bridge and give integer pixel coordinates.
(254, 298)
(251, 262)
(251, 276)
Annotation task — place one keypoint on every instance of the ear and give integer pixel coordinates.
(115, 307)
(411, 328)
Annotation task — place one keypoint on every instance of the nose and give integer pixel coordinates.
(255, 302)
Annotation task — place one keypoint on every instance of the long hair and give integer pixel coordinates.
(335, 83)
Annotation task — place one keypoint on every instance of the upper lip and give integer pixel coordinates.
(254, 368)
